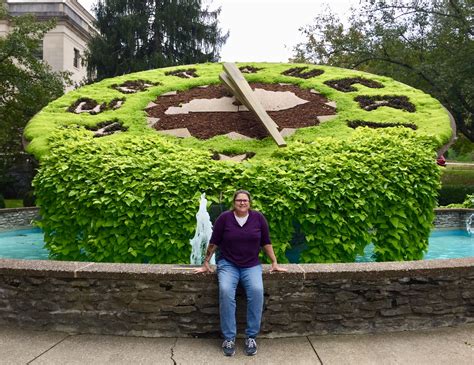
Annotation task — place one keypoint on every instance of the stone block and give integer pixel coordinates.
(278, 319)
(345, 295)
(304, 317)
(377, 304)
(396, 311)
(144, 307)
(209, 310)
(237, 136)
(182, 309)
(328, 317)
(326, 118)
(286, 132)
(177, 132)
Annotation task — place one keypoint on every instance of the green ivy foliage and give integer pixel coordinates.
(134, 198)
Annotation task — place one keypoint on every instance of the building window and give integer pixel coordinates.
(77, 58)
(38, 52)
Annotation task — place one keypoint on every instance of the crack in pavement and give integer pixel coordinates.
(45, 351)
(314, 349)
(172, 351)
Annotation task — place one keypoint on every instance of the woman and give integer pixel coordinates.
(239, 234)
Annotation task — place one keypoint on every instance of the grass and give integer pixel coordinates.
(457, 181)
(458, 175)
(13, 203)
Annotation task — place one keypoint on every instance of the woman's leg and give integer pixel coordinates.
(228, 276)
(252, 282)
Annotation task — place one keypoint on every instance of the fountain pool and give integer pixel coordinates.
(444, 244)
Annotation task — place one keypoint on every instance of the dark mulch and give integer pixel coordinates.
(301, 73)
(184, 74)
(248, 155)
(89, 105)
(345, 85)
(134, 85)
(362, 123)
(114, 102)
(249, 69)
(109, 127)
(209, 124)
(373, 102)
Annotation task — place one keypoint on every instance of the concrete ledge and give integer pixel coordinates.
(366, 270)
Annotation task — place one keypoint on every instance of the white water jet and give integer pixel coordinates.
(201, 238)
(469, 222)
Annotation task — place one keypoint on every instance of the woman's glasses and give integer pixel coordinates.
(241, 201)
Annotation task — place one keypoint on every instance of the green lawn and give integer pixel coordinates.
(457, 181)
(13, 203)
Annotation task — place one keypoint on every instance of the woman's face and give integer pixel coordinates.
(241, 204)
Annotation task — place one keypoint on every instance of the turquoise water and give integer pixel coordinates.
(23, 244)
(444, 244)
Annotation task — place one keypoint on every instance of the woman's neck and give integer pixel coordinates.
(241, 215)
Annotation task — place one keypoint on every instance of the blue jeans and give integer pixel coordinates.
(229, 276)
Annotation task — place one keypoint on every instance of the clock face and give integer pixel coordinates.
(210, 111)
(193, 104)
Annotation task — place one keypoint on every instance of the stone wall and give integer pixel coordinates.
(17, 217)
(169, 300)
(452, 218)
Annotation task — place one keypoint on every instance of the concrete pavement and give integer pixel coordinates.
(438, 346)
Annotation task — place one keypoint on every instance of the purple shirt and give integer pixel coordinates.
(240, 245)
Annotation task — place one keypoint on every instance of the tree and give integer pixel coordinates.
(138, 35)
(27, 84)
(426, 44)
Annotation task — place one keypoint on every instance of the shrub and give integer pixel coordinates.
(134, 198)
(457, 182)
(2, 202)
(469, 201)
(29, 199)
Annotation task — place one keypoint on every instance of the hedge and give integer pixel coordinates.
(134, 198)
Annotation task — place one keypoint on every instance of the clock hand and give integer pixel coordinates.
(236, 82)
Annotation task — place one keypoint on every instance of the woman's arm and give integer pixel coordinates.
(205, 266)
(271, 255)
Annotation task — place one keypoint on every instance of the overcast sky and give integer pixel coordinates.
(265, 30)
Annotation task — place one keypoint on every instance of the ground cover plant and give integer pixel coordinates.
(132, 195)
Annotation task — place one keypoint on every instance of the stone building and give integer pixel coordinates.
(63, 47)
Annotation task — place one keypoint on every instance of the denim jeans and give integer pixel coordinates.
(229, 276)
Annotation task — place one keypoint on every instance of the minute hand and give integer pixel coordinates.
(250, 101)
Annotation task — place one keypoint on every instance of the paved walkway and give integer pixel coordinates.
(439, 346)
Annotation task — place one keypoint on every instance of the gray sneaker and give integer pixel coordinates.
(250, 346)
(228, 347)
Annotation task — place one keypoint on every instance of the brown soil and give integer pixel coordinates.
(204, 125)
(345, 85)
(115, 101)
(249, 69)
(107, 128)
(89, 105)
(373, 102)
(362, 123)
(301, 73)
(189, 73)
(134, 86)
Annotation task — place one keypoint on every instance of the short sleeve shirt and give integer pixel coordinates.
(240, 244)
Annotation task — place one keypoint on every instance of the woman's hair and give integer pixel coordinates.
(240, 192)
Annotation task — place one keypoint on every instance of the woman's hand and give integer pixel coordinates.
(275, 268)
(204, 268)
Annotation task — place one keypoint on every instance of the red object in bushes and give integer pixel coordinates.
(441, 161)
